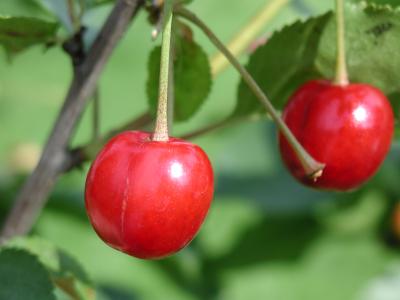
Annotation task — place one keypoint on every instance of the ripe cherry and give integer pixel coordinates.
(148, 198)
(348, 128)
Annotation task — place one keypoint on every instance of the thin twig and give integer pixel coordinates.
(33, 195)
(209, 128)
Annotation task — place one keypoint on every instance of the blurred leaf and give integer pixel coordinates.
(192, 78)
(303, 51)
(19, 33)
(332, 268)
(292, 258)
(282, 64)
(93, 20)
(60, 10)
(92, 3)
(66, 273)
(385, 286)
(23, 277)
(392, 3)
(360, 212)
(23, 8)
(225, 225)
(90, 15)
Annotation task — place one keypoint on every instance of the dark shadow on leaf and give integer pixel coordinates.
(114, 293)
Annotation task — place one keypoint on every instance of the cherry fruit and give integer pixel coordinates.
(348, 128)
(148, 198)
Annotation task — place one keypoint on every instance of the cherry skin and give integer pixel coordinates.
(348, 128)
(148, 198)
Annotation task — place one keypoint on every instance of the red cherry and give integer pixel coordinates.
(348, 128)
(148, 198)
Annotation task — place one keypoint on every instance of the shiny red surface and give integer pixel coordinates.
(348, 128)
(148, 198)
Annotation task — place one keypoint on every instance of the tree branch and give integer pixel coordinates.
(37, 187)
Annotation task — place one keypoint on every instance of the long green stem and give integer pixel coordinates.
(341, 69)
(161, 131)
(311, 166)
(248, 33)
(239, 42)
(171, 84)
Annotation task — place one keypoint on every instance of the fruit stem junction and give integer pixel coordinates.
(311, 167)
(161, 131)
(341, 68)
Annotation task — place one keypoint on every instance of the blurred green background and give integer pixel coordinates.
(266, 237)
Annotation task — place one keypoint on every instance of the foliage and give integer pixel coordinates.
(307, 50)
(16, 267)
(266, 236)
(64, 274)
(192, 78)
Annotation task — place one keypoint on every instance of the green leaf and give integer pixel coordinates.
(60, 10)
(228, 220)
(192, 78)
(287, 256)
(330, 262)
(93, 3)
(23, 277)
(307, 50)
(24, 8)
(66, 273)
(19, 33)
(372, 47)
(284, 62)
(393, 3)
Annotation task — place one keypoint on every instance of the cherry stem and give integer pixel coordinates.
(248, 33)
(341, 69)
(311, 166)
(171, 83)
(237, 45)
(161, 131)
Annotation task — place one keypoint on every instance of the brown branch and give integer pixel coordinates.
(34, 193)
